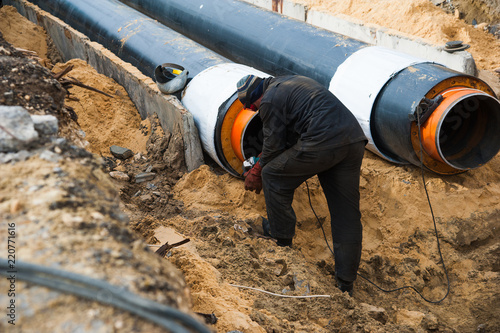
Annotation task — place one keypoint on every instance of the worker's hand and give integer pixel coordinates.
(253, 179)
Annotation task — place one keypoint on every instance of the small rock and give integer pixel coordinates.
(410, 318)
(97, 216)
(45, 124)
(21, 155)
(35, 188)
(50, 156)
(8, 95)
(228, 242)
(118, 324)
(71, 220)
(120, 152)
(430, 322)
(495, 30)
(482, 26)
(118, 175)
(144, 177)
(57, 170)
(17, 128)
(146, 198)
(379, 314)
(280, 271)
(138, 157)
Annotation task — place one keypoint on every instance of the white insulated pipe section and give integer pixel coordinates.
(360, 78)
(357, 83)
(206, 92)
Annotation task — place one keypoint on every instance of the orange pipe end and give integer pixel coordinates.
(429, 131)
(238, 131)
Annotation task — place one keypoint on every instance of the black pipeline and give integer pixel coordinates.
(132, 36)
(146, 44)
(386, 90)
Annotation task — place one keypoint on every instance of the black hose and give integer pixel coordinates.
(105, 293)
(404, 287)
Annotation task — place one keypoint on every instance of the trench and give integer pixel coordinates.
(249, 261)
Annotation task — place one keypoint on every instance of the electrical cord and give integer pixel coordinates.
(279, 295)
(103, 292)
(435, 231)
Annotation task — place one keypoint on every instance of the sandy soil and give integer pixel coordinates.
(222, 220)
(422, 19)
(106, 120)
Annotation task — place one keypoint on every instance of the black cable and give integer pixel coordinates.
(435, 230)
(101, 291)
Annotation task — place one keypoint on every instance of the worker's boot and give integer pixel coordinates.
(347, 258)
(266, 227)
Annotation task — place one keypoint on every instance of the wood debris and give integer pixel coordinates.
(68, 82)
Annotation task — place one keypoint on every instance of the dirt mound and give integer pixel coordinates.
(23, 33)
(106, 120)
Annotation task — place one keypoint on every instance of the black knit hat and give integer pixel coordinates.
(246, 86)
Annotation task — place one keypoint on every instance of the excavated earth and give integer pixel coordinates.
(77, 207)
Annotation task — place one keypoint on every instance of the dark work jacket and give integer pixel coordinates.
(298, 111)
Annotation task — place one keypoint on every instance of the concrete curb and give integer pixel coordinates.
(376, 35)
(141, 89)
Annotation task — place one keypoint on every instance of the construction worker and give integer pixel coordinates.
(307, 131)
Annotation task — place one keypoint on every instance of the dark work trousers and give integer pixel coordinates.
(338, 171)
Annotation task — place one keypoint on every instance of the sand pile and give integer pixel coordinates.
(106, 120)
(419, 18)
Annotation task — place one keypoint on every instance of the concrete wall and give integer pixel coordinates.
(141, 89)
(460, 61)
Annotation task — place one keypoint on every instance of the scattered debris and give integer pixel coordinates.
(144, 177)
(120, 152)
(163, 250)
(45, 124)
(118, 175)
(67, 83)
(210, 319)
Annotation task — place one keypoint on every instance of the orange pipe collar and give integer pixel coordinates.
(238, 131)
(429, 131)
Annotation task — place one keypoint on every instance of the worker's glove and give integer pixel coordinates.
(253, 179)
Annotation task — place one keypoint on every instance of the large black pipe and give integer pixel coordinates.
(247, 34)
(389, 85)
(279, 45)
(132, 36)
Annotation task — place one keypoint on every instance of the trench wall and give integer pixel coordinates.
(376, 35)
(141, 89)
